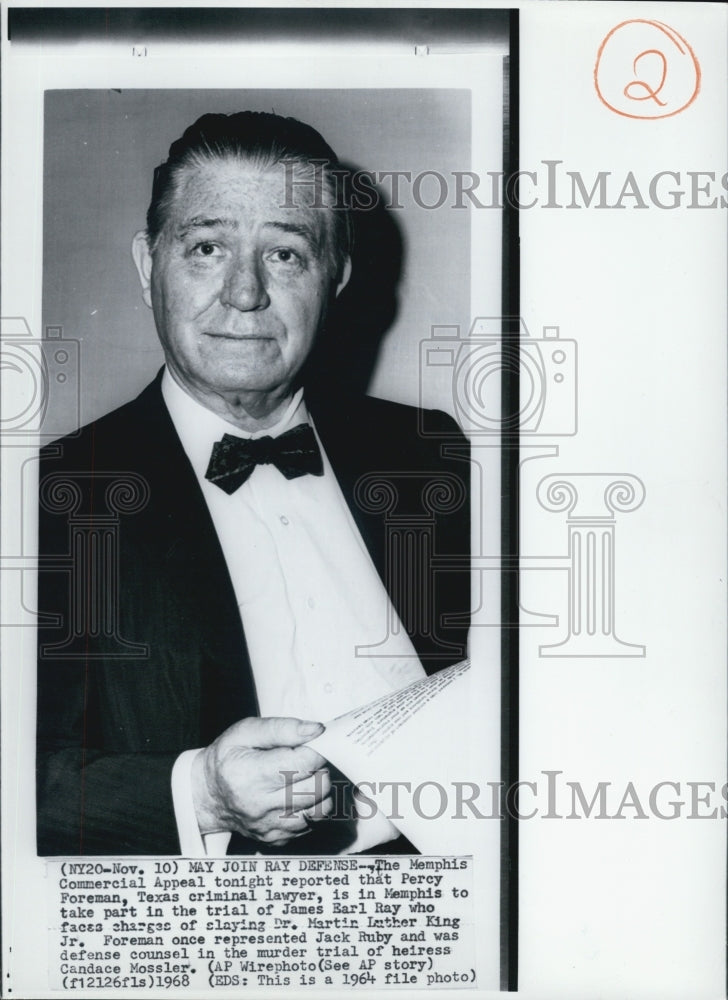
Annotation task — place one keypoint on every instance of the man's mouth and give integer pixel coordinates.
(225, 335)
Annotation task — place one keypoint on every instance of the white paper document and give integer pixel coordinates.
(406, 754)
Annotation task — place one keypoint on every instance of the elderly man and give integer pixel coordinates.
(250, 584)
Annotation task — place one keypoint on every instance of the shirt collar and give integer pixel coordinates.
(199, 428)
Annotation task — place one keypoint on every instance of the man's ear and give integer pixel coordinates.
(143, 260)
(345, 275)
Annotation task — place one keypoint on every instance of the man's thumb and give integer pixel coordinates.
(265, 734)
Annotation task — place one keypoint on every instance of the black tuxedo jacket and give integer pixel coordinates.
(141, 649)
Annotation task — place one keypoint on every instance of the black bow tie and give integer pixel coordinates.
(294, 453)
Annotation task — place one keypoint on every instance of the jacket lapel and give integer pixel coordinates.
(350, 447)
(188, 550)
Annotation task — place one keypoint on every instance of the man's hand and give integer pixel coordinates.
(243, 780)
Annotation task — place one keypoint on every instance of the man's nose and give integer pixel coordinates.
(244, 286)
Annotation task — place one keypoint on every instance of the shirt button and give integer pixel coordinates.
(311, 603)
(284, 519)
(328, 688)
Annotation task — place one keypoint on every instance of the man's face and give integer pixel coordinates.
(239, 286)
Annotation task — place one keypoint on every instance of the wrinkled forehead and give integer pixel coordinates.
(250, 193)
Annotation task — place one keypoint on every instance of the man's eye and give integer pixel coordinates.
(284, 255)
(206, 249)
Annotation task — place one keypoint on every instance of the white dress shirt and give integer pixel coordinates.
(310, 598)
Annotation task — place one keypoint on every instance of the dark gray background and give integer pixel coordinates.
(101, 147)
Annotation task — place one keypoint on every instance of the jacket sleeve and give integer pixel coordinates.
(102, 776)
(95, 802)
(141, 650)
(98, 790)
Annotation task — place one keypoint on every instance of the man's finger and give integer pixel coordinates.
(267, 733)
(303, 814)
(279, 838)
(304, 794)
(318, 811)
(317, 784)
(302, 760)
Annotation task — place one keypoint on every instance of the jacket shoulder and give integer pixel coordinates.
(112, 439)
(405, 418)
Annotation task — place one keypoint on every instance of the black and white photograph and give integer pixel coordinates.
(259, 630)
(181, 643)
(364, 483)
